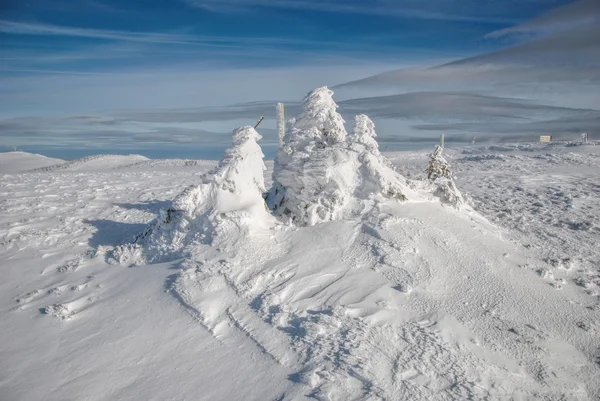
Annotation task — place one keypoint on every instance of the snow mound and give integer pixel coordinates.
(322, 173)
(18, 162)
(226, 203)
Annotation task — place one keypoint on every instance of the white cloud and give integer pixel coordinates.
(25, 28)
(570, 15)
(440, 10)
(563, 56)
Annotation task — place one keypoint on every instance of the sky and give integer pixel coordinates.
(174, 78)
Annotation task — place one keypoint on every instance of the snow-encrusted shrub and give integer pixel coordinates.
(227, 202)
(319, 118)
(364, 133)
(438, 166)
(321, 172)
(440, 174)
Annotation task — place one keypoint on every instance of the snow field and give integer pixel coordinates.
(115, 291)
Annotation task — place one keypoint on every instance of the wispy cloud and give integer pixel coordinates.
(25, 28)
(401, 118)
(409, 9)
(560, 47)
(565, 17)
(455, 106)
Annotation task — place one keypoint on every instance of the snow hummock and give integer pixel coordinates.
(228, 199)
(322, 173)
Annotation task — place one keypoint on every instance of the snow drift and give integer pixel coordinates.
(227, 200)
(322, 173)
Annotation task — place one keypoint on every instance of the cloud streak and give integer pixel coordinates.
(406, 9)
(37, 29)
(570, 15)
(411, 117)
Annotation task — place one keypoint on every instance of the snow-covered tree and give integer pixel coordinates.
(439, 173)
(364, 133)
(377, 176)
(311, 174)
(321, 173)
(438, 166)
(227, 202)
(319, 118)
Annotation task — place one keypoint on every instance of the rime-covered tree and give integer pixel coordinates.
(438, 166)
(227, 201)
(439, 173)
(320, 119)
(364, 133)
(377, 175)
(321, 172)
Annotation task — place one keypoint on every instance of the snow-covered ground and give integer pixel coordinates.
(335, 274)
(412, 300)
(544, 196)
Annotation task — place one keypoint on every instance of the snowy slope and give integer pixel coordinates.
(366, 279)
(16, 162)
(412, 300)
(546, 195)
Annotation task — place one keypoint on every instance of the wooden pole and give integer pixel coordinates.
(258, 123)
(442, 140)
(281, 122)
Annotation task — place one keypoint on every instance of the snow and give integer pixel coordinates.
(17, 162)
(384, 298)
(228, 201)
(545, 195)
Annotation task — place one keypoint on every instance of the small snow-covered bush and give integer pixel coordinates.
(440, 174)
(377, 175)
(438, 166)
(227, 202)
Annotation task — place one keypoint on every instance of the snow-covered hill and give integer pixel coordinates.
(404, 298)
(17, 162)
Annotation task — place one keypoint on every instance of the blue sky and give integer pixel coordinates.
(104, 36)
(65, 60)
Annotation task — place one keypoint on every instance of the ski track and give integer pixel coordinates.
(382, 308)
